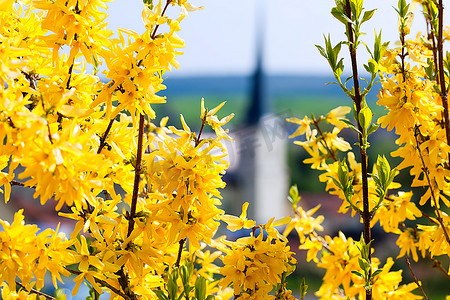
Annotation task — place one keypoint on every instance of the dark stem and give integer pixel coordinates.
(316, 124)
(198, 140)
(137, 174)
(103, 283)
(403, 54)
(180, 250)
(362, 151)
(162, 14)
(70, 76)
(14, 182)
(105, 134)
(430, 186)
(48, 125)
(35, 291)
(323, 242)
(414, 276)
(49, 133)
(440, 50)
(432, 37)
(438, 265)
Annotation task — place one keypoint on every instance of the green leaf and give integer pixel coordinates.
(384, 172)
(149, 3)
(365, 118)
(184, 274)
(294, 197)
(376, 272)
(350, 125)
(337, 183)
(200, 288)
(340, 15)
(364, 265)
(303, 288)
(343, 173)
(402, 8)
(172, 286)
(357, 273)
(322, 51)
(160, 294)
(372, 128)
(368, 15)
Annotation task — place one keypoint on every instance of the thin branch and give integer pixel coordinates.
(198, 139)
(14, 182)
(330, 151)
(362, 151)
(440, 49)
(137, 174)
(105, 134)
(323, 242)
(48, 125)
(70, 76)
(438, 265)
(414, 276)
(35, 291)
(430, 218)
(432, 37)
(425, 171)
(103, 283)
(162, 14)
(180, 250)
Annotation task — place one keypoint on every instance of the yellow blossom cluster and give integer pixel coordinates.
(28, 253)
(321, 145)
(143, 195)
(324, 147)
(256, 265)
(415, 108)
(414, 79)
(339, 258)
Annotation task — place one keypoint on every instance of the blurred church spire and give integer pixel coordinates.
(258, 105)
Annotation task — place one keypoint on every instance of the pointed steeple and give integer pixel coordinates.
(258, 99)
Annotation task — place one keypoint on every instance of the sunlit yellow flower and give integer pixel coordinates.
(235, 223)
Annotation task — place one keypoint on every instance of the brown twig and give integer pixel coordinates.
(48, 125)
(430, 186)
(366, 215)
(438, 265)
(35, 291)
(198, 140)
(105, 134)
(414, 276)
(443, 89)
(403, 54)
(14, 182)
(162, 14)
(103, 283)
(330, 151)
(323, 242)
(137, 174)
(180, 251)
(431, 36)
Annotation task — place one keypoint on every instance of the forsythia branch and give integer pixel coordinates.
(414, 277)
(425, 171)
(35, 291)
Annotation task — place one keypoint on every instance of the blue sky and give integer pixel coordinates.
(221, 38)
